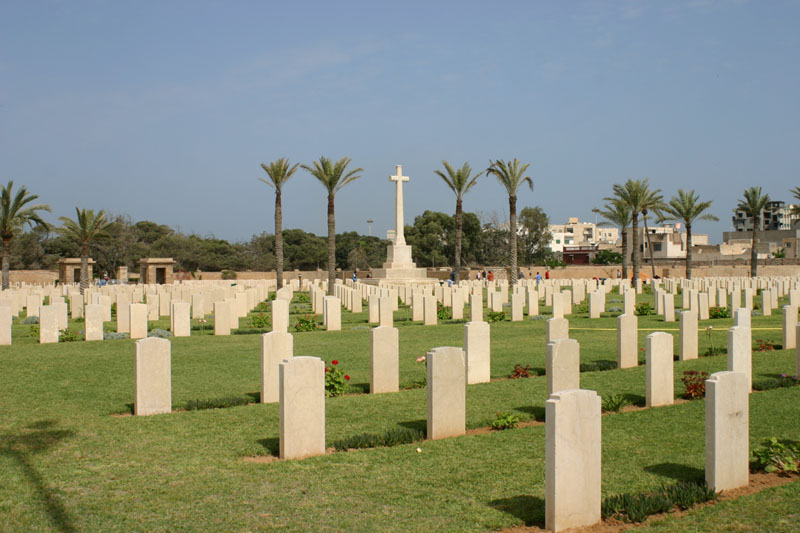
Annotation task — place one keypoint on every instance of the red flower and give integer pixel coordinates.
(327, 369)
(347, 377)
(335, 362)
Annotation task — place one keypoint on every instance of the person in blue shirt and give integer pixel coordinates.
(538, 278)
(355, 276)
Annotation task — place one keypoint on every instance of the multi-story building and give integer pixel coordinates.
(776, 216)
(577, 233)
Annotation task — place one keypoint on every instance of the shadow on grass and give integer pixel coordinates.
(419, 425)
(536, 411)
(635, 399)
(272, 445)
(358, 388)
(254, 396)
(529, 509)
(677, 471)
(36, 439)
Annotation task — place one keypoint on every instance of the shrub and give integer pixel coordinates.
(644, 309)
(763, 345)
(391, 437)
(614, 403)
(216, 403)
(302, 297)
(718, 312)
(335, 380)
(262, 307)
(776, 383)
(636, 507)
(443, 313)
(113, 335)
(714, 350)
(249, 331)
(582, 308)
(496, 316)
(67, 336)
(598, 366)
(30, 320)
(306, 323)
(228, 274)
(520, 371)
(34, 331)
(781, 456)
(505, 421)
(260, 321)
(695, 383)
(160, 333)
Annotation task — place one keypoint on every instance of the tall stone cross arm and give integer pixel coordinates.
(398, 178)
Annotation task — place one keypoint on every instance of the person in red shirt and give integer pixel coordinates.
(547, 274)
(491, 276)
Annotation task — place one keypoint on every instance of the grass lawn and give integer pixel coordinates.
(68, 464)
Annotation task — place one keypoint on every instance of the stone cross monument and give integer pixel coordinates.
(399, 266)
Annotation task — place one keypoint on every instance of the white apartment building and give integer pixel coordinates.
(577, 233)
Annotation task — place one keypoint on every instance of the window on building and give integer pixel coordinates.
(657, 247)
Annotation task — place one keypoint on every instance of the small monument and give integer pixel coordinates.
(399, 265)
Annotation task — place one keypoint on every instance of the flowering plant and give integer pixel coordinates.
(335, 380)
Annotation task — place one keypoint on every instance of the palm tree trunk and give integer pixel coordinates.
(512, 208)
(6, 245)
(635, 246)
(753, 252)
(626, 253)
(688, 251)
(331, 246)
(84, 267)
(459, 228)
(649, 245)
(278, 239)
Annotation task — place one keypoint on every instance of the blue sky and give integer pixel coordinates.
(164, 110)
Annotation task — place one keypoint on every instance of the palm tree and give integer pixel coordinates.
(752, 205)
(687, 208)
(619, 214)
(460, 182)
(510, 174)
(796, 193)
(15, 213)
(333, 178)
(638, 197)
(279, 173)
(86, 228)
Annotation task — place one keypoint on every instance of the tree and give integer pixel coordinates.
(15, 212)
(753, 204)
(460, 182)
(687, 208)
(511, 175)
(86, 227)
(430, 238)
(637, 196)
(333, 177)
(796, 193)
(618, 213)
(536, 235)
(279, 172)
(607, 257)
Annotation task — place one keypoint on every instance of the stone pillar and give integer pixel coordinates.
(429, 314)
(727, 431)
(517, 305)
(766, 303)
(797, 355)
(5, 324)
(356, 304)
(789, 327)
(385, 312)
(476, 308)
(302, 406)
(384, 359)
(660, 386)
(446, 392)
(627, 341)
(280, 315)
(276, 346)
(668, 305)
(153, 306)
(556, 328)
(688, 337)
(597, 302)
(48, 324)
(533, 302)
(222, 318)
(742, 317)
(123, 313)
(702, 305)
(180, 319)
(558, 305)
(373, 305)
(563, 365)
(333, 313)
(153, 376)
(93, 322)
(477, 349)
(629, 302)
(573, 460)
(740, 353)
(138, 314)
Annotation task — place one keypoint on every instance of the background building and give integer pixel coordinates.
(777, 216)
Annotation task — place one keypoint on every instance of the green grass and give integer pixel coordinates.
(66, 463)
